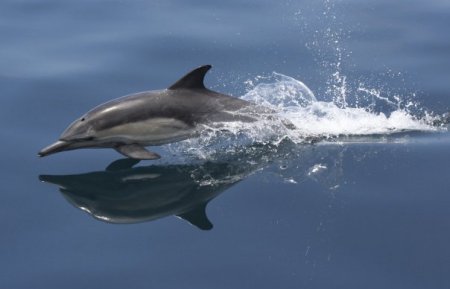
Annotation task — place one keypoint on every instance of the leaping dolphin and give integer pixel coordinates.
(130, 123)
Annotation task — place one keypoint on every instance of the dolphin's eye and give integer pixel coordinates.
(83, 119)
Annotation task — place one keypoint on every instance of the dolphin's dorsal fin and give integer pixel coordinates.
(192, 80)
(197, 217)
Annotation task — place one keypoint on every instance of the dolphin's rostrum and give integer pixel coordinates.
(157, 117)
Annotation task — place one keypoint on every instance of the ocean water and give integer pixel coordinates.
(356, 196)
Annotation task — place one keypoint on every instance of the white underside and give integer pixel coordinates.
(155, 131)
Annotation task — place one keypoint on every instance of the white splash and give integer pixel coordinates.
(296, 103)
(327, 119)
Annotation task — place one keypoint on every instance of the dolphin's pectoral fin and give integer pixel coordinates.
(136, 151)
(192, 80)
(197, 217)
(122, 164)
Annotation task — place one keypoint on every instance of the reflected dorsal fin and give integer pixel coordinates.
(192, 80)
(197, 217)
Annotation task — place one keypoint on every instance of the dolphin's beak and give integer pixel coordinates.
(56, 147)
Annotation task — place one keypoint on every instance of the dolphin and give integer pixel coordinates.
(130, 123)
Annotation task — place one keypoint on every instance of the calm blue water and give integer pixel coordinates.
(367, 211)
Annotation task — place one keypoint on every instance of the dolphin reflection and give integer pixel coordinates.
(126, 194)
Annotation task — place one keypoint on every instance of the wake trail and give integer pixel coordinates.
(313, 118)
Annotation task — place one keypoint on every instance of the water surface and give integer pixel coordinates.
(366, 207)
